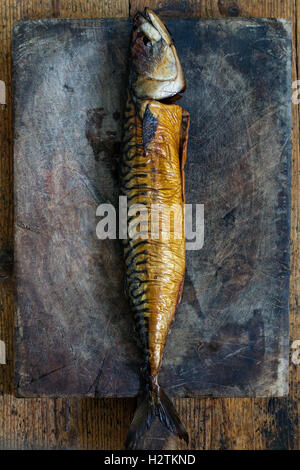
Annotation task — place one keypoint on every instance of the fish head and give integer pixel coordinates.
(156, 72)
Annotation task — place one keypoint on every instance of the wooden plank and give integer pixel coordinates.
(218, 8)
(40, 423)
(71, 312)
(247, 423)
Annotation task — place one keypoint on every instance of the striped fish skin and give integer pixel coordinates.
(152, 176)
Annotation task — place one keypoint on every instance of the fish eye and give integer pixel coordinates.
(146, 40)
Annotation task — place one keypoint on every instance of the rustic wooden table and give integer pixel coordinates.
(103, 423)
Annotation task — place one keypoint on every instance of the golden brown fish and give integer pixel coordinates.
(152, 178)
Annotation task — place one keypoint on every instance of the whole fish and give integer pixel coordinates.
(152, 173)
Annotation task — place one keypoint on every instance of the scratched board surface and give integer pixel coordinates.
(73, 325)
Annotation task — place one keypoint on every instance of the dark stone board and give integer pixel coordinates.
(73, 326)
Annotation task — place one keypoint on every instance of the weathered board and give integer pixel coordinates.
(73, 324)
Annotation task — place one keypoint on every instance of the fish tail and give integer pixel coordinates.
(169, 416)
(153, 402)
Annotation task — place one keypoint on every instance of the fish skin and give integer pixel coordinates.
(152, 173)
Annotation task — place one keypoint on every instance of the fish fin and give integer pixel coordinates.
(151, 405)
(169, 416)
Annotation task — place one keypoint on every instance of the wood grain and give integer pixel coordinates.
(44, 423)
(235, 298)
(102, 424)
